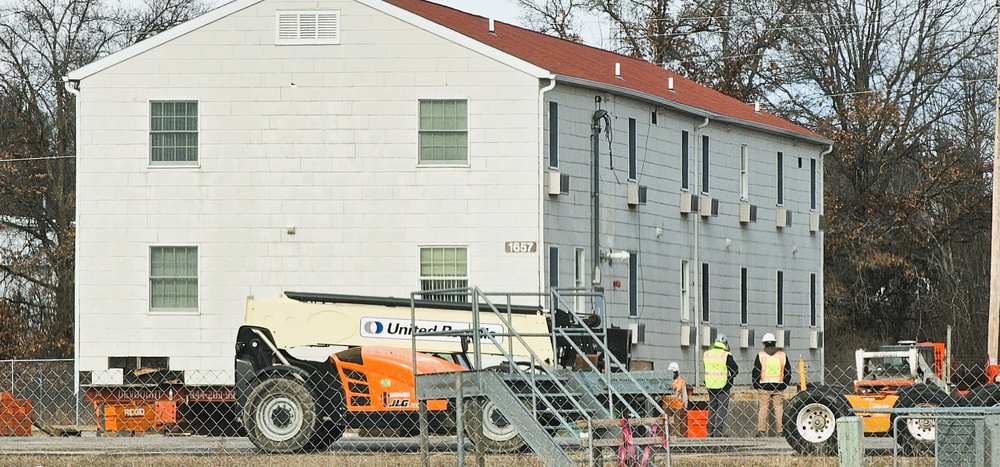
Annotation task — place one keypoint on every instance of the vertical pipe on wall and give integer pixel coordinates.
(595, 189)
(541, 182)
(697, 263)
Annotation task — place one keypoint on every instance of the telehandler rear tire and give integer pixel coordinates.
(326, 434)
(914, 434)
(983, 396)
(488, 429)
(810, 420)
(280, 416)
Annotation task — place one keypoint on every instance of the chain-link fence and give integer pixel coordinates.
(524, 415)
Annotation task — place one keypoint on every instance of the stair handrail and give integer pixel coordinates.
(602, 343)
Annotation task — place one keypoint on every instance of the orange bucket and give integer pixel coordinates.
(697, 421)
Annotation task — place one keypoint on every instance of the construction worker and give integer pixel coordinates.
(772, 373)
(720, 369)
(675, 404)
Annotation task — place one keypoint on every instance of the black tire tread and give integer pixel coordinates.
(299, 394)
(473, 418)
(912, 397)
(830, 396)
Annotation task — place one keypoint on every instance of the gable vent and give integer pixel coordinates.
(308, 27)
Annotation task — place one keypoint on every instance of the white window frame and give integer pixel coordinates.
(744, 173)
(685, 290)
(421, 131)
(196, 132)
(149, 274)
(633, 284)
(453, 278)
(579, 279)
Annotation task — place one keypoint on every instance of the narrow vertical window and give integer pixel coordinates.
(744, 174)
(444, 268)
(685, 161)
(633, 284)
(579, 275)
(781, 298)
(744, 311)
(553, 134)
(705, 287)
(812, 299)
(173, 278)
(704, 164)
(812, 184)
(780, 172)
(553, 267)
(631, 149)
(685, 305)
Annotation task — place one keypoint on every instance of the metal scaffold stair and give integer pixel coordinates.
(566, 417)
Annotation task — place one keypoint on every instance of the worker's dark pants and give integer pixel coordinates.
(718, 410)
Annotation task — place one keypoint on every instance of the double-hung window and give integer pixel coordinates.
(444, 132)
(685, 161)
(632, 144)
(173, 132)
(173, 278)
(744, 173)
(444, 267)
(553, 134)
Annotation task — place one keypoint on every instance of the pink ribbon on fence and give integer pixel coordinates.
(625, 451)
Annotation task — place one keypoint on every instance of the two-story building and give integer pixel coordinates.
(380, 147)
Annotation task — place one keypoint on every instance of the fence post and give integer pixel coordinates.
(850, 434)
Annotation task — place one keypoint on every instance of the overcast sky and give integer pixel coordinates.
(592, 29)
(500, 10)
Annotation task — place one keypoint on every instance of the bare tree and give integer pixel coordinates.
(725, 44)
(905, 88)
(40, 42)
(898, 85)
(553, 17)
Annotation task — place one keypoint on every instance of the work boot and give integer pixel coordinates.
(760, 434)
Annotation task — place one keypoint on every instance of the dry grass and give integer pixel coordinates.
(408, 460)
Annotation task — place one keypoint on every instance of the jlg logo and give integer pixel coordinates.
(399, 403)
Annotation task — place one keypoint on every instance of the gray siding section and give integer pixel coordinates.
(663, 237)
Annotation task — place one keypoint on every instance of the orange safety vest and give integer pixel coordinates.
(677, 401)
(772, 367)
(679, 386)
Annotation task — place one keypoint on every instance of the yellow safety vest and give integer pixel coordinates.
(716, 373)
(772, 367)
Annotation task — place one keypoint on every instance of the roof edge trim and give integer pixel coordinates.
(159, 39)
(458, 38)
(689, 109)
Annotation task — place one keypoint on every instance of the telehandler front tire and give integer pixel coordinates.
(916, 434)
(810, 420)
(487, 428)
(280, 416)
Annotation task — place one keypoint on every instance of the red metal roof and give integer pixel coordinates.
(567, 58)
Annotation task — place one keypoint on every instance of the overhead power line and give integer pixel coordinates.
(36, 159)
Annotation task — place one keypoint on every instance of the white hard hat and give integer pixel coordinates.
(768, 338)
(722, 338)
(674, 366)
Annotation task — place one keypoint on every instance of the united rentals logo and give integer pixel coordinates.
(373, 328)
(389, 328)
